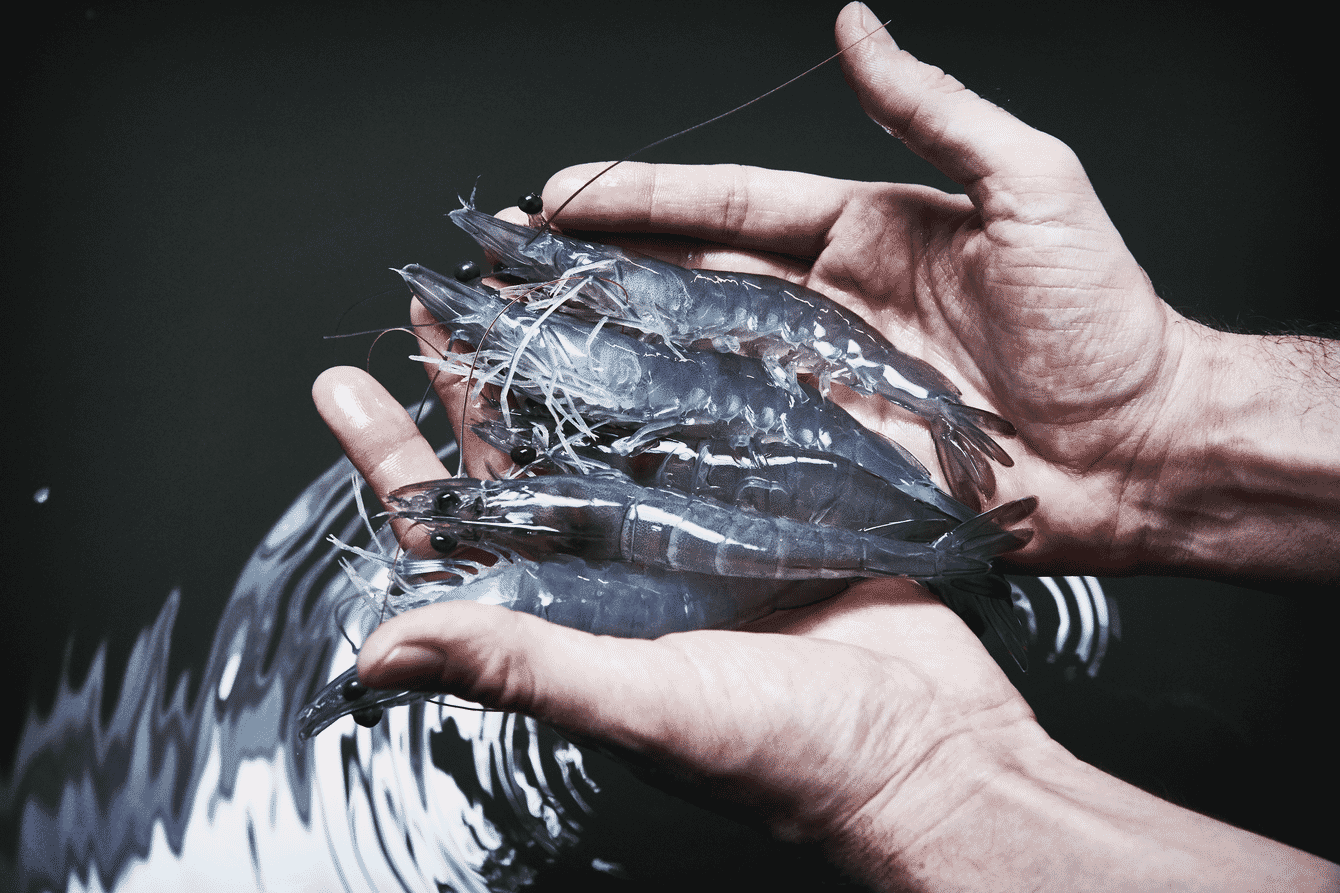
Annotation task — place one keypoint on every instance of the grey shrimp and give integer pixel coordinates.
(602, 598)
(586, 372)
(607, 517)
(790, 328)
(773, 478)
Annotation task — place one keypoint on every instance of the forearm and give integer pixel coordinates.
(1059, 824)
(1247, 482)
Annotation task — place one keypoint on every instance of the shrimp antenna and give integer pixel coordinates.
(451, 706)
(432, 382)
(349, 309)
(548, 225)
(469, 379)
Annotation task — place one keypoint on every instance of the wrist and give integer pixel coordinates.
(1030, 816)
(1243, 482)
(936, 826)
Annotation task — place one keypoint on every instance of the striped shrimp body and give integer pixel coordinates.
(603, 598)
(584, 372)
(610, 518)
(772, 478)
(789, 328)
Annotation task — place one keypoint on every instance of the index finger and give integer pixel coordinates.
(378, 436)
(749, 208)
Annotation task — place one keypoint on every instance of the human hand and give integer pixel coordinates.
(874, 724)
(1020, 289)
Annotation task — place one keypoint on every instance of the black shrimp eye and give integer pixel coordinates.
(523, 454)
(466, 271)
(444, 543)
(353, 690)
(448, 502)
(531, 204)
(368, 716)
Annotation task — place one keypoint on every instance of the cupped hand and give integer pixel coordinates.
(818, 722)
(1020, 288)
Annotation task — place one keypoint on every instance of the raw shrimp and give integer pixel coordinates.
(789, 328)
(773, 478)
(780, 480)
(586, 372)
(598, 597)
(608, 517)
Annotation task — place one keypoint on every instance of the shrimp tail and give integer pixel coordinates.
(964, 552)
(963, 446)
(985, 599)
(967, 550)
(989, 534)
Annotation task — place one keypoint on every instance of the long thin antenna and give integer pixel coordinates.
(742, 106)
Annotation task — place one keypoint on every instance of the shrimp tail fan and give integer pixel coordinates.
(984, 598)
(967, 550)
(963, 447)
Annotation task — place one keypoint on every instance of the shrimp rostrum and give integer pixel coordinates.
(789, 328)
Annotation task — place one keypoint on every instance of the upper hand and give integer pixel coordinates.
(1020, 289)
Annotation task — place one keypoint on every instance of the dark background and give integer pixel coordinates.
(193, 198)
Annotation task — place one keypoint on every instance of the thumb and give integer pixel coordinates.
(593, 687)
(975, 143)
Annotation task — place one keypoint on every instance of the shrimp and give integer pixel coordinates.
(789, 328)
(608, 517)
(792, 483)
(772, 478)
(603, 598)
(587, 372)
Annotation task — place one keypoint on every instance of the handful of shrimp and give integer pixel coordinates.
(668, 483)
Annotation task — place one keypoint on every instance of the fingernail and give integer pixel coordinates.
(871, 23)
(406, 666)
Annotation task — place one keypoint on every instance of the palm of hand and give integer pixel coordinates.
(1043, 317)
(1029, 301)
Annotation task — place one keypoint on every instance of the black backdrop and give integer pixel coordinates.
(192, 200)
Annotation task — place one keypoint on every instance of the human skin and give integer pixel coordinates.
(875, 723)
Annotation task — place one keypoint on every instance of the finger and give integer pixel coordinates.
(615, 690)
(478, 459)
(747, 208)
(693, 253)
(377, 435)
(973, 142)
